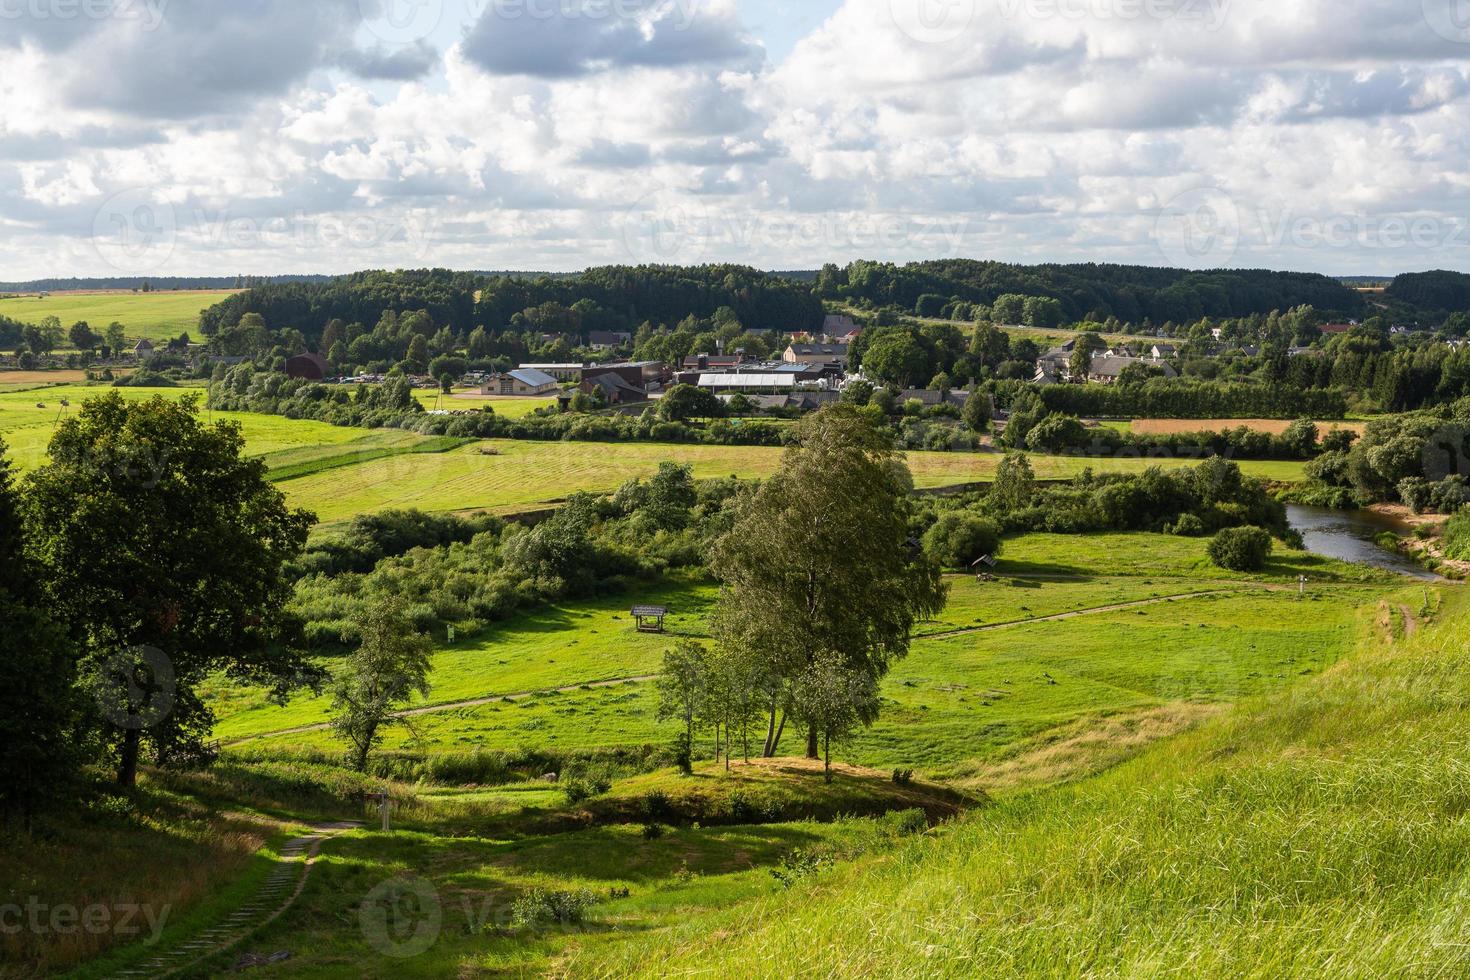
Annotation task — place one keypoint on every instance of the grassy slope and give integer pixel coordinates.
(957, 704)
(156, 316)
(1316, 831)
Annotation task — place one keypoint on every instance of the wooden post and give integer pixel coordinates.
(384, 808)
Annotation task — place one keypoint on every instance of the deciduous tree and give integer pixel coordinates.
(819, 561)
(163, 551)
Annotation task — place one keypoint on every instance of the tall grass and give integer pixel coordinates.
(1320, 831)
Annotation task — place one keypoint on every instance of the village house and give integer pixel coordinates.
(561, 372)
(607, 339)
(523, 382)
(817, 354)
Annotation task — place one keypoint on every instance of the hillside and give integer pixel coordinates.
(1317, 831)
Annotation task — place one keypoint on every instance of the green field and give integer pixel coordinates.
(1196, 635)
(347, 475)
(154, 316)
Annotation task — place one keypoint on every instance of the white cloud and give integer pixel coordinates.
(1044, 129)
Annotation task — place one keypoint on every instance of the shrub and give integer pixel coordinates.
(653, 831)
(958, 538)
(903, 777)
(1241, 549)
(905, 823)
(541, 907)
(584, 786)
(1457, 536)
(1188, 526)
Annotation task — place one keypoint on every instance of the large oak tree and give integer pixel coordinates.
(163, 551)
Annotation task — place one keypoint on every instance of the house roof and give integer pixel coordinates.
(747, 381)
(1336, 327)
(533, 377)
(611, 381)
(821, 350)
(1111, 367)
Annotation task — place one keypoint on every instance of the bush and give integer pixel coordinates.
(1241, 549)
(583, 786)
(903, 777)
(1188, 526)
(653, 831)
(1457, 536)
(958, 538)
(541, 907)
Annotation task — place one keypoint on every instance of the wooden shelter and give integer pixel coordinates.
(650, 618)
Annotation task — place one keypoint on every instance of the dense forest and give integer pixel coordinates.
(1133, 294)
(1438, 292)
(618, 298)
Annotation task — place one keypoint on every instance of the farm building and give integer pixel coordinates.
(817, 354)
(766, 384)
(607, 339)
(309, 367)
(524, 382)
(616, 389)
(143, 350)
(561, 372)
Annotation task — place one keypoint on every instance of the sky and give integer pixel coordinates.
(224, 137)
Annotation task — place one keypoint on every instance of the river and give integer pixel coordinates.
(1349, 535)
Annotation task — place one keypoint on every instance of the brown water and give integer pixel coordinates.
(1348, 535)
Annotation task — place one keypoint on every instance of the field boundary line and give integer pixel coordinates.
(1076, 613)
(434, 709)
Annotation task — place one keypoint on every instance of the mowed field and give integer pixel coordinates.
(504, 476)
(154, 316)
(1076, 630)
(1159, 427)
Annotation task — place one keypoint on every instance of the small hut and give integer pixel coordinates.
(983, 567)
(650, 618)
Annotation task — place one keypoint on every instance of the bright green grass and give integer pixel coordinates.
(27, 428)
(560, 646)
(293, 464)
(519, 474)
(154, 316)
(955, 700)
(1318, 830)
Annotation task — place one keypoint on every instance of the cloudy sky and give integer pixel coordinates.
(195, 137)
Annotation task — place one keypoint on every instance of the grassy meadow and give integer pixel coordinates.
(153, 316)
(339, 472)
(1031, 708)
(1316, 830)
(1073, 628)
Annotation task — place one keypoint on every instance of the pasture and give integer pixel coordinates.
(340, 472)
(153, 316)
(1075, 629)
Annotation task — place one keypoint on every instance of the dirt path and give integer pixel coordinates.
(274, 897)
(1411, 622)
(1075, 613)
